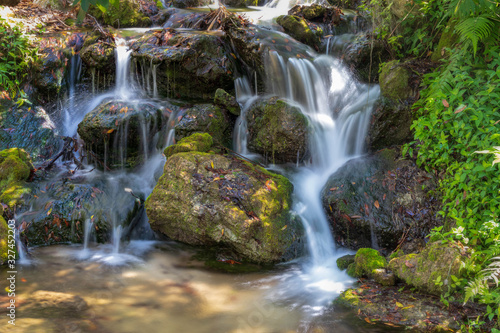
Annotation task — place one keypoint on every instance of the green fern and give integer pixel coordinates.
(476, 29)
(479, 286)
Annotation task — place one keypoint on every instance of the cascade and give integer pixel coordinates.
(122, 89)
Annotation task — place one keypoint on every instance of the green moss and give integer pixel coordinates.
(298, 28)
(396, 254)
(227, 101)
(366, 261)
(394, 80)
(15, 167)
(347, 299)
(447, 40)
(344, 261)
(3, 241)
(127, 15)
(200, 142)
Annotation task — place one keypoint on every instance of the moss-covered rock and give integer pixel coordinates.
(380, 196)
(393, 80)
(100, 56)
(187, 3)
(15, 168)
(298, 28)
(366, 261)
(390, 124)
(383, 277)
(117, 132)
(205, 118)
(129, 14)
(243, 3)
(213, 200)
(200, 142)
(436, 263)
(227, 101)
(347, 299)
(278, 130)
(344, 261)
(49, 74)
(317, 13)
(189, 65)
(4, 236)
(347, 4)
(447, 40)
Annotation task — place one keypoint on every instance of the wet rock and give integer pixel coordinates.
(347, 4)
(50, 304)
(373, 303)
(4, 236)
(227, 101)
(242, 3)
(29, 128)
(55, 212)
(99, 55)
(50, 72)
(381, 276)
(205, 118)
(9, 2)
(187, 3)
(129, 14)
(121, 134)
(393, 80)
(278, 130)
(301, 30)
(363, 60)
(390, 124)
(15, 168)
(437, 262)
(317, 13)
(200, 142)
(188, 65)
(344, 261)
(383, 196)
(213, 200)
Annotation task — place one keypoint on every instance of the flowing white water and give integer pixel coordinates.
(122, 89)
(339, 110)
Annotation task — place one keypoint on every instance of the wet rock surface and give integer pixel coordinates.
(120, 134)
(301, 30)
(29, 128)
(189, 65)
(131, 13)
(214, 200)
(278, 130)
(15, 169)
(44, 303)
(378, 199)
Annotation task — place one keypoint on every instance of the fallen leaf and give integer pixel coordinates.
(461, 109)
(367, 210)
(284, 227)
(408, 264)
(110, 131)
(399, 305)
(269, 182)
(445, 103)
(222, 232)
(50, 211)
(376, 204)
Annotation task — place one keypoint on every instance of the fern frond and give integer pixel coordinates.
(479, 286)
(475, 29)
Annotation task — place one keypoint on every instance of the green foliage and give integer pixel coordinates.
(103, 5)
(457, 124)
(17, 57)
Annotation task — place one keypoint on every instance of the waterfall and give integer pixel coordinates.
(122, 89)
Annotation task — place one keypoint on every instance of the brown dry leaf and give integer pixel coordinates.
(288, 48)
(445, 103)
(461, 109)
(367, 210)
(385, 196)
(408, 264)
(377, 204)
(368, 320)
(222, 232)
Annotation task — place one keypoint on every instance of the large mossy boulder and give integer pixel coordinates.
(29, 128)
(431, 270)
(446, 41)
(15, 169)
(220, 201)
(121, 134)
(372, 201)
(317, 13)
(366, 262)
(301, 30)
(278, 130)
(129, 14)
(189, 65)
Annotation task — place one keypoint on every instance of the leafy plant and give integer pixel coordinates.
(17, 58)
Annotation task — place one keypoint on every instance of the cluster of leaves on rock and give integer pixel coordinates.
(17, 57)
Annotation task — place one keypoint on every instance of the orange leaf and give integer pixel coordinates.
(461, 109)
(110, 131)
(268, 184)
(367, 210)
(445, 103)
(376, 204)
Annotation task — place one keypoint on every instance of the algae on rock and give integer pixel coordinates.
(15, 168)
(213, 200)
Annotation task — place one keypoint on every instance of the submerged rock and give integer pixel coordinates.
(438, 262)
(376, 304)
(28, 128)
(373, 201)
(51, 304)
(188, 65)
(15, 168)
(213, 200)
(121, 134)
(278, 130)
